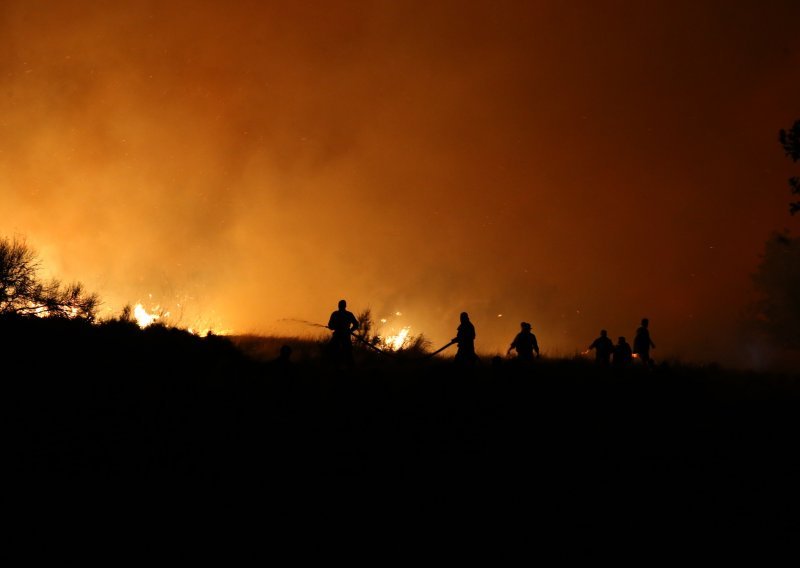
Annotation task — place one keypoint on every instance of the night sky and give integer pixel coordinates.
(577, 165)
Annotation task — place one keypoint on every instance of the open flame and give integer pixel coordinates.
(394, 337)
(397, 342)
(142, 317)
(145, 318)
(205, 332)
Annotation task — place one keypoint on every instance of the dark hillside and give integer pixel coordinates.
(112, 412)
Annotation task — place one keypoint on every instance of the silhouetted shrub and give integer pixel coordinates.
(22, 292)
(790, 140)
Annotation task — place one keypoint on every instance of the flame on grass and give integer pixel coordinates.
(144, 318)
(395, 336)
(398, 341)
(209, 331)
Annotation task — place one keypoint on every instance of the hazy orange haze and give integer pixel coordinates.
(578, 165)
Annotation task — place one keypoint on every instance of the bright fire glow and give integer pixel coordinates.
(209, 331)
(396, 342)
(142, 317)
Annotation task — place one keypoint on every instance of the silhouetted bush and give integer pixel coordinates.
(790, 140)
(22, 292)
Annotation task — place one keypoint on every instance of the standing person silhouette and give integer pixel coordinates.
(465, 338)
(525, 343)
(642, 342)
(603, 347)
(622, 354)
(343, 323)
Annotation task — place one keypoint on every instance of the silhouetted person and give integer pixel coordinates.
(465, 338)
(283, 362)
(642, 342)
(525, 344)
(343, 323)
(622, 353)
(603, 348)
(281, 370)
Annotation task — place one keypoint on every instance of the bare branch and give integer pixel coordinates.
(23, 293)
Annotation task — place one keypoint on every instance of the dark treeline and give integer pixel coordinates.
(113, 413)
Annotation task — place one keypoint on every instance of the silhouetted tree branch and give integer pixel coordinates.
(777, 280)
(790, 140)
(23, 293)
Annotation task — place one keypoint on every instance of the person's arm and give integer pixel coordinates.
(330, 322)
(355, 325)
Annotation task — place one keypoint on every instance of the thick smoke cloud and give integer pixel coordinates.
(241, 163)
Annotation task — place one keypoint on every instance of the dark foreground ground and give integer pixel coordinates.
(162, 426)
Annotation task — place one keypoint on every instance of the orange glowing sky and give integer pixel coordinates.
(576, 165)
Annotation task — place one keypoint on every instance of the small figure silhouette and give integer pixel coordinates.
(622, 353)
(465, 338)
(642, 342)
(343, 323)
(281, 367)
(525, 344)
(603, 347)
(283, 361)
